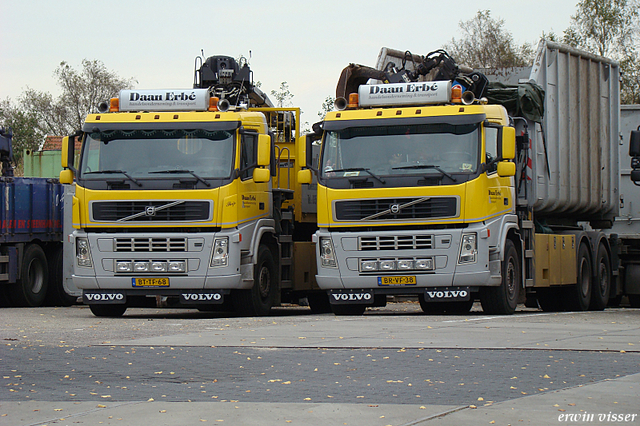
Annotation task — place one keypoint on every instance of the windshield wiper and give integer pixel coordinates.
(122, 172)
(426, 166)
(183, 171)
(358, 169)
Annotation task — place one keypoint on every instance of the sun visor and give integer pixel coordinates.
(441, 119)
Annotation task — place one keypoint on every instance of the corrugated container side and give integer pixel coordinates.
(579, 135)
(32, 209)
(627, 225)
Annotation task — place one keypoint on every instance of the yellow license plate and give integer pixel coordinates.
(150, 282)
(399, 280)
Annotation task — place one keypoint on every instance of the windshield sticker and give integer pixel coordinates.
(347, 174)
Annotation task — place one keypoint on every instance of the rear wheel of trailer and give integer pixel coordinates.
(31, 288)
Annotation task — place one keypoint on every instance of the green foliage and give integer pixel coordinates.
(610, 28)
(486, 44)
(37, 114)
(24, 125)
(327, 106)
(283, 96)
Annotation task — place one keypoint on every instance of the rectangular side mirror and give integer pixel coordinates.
(264, 150)
(66, 177)
(64, 154)
(261, 175)
(506, 169)
(304, 176)
(508, 144)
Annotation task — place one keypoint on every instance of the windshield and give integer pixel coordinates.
(401, 150)
(151, 153)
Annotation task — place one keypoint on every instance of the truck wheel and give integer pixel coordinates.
(602, 286)
(503, 299)
(56, 296)
(355, 309)
(31, 289)
(113, 311)
(260, 299)
(578, 296)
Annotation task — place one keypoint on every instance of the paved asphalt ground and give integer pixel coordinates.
(392, 366)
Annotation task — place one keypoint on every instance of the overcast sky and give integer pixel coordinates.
(305, 43)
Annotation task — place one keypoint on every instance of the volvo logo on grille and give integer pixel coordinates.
(150, 211)
(394, 208)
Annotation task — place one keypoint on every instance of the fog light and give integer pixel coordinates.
(177, 266)
(424, 264)
(124, 266)
(141, 266)
(159, 266)
(387, 265)
(405, 264)
(368, 265)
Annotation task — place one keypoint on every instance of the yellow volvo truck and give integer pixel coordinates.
(436, 183)
(191, 198)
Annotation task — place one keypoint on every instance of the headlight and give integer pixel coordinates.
(327, 253)
(83, 252)
(468, 248)
(220, 255)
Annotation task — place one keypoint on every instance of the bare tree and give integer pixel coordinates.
(486, 44)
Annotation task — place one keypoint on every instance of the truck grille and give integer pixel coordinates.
(396, 209)
(397, 242)
(151, 211)
(151, 244)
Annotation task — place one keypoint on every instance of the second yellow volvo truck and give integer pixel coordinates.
(436, 183)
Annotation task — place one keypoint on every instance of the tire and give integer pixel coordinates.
(503, 299)
(259, 300)
(56, 296)
(112, 311)
(31, 289)
(342, 310)
(319, 302)
(578, 296)
(602, 286)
